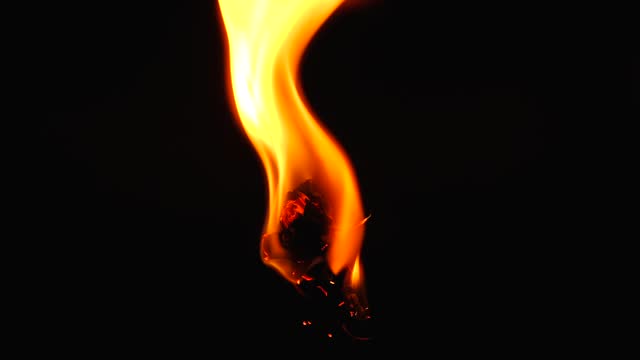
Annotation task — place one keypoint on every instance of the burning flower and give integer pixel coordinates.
(315, 221)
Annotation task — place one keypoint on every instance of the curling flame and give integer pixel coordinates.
(266, 40)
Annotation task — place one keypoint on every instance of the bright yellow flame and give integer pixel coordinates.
(266, 41)
(355, 273)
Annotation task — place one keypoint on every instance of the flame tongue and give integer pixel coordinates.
(266, 40)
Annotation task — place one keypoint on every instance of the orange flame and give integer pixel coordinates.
(266, 40)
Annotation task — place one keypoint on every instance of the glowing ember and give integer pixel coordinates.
(314, 225)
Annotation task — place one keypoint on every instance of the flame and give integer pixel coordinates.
(266, 40)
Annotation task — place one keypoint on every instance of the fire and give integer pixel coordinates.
(266, 41)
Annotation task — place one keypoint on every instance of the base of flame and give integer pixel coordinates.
(335, 308)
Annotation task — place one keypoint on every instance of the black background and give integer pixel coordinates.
(146, 200)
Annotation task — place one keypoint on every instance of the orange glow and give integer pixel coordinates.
(266, 40)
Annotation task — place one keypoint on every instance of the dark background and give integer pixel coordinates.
(145, 199)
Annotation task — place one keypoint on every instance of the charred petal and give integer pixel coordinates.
(304, 223)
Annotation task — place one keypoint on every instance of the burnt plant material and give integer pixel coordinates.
(304, 223)
(333, 308)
